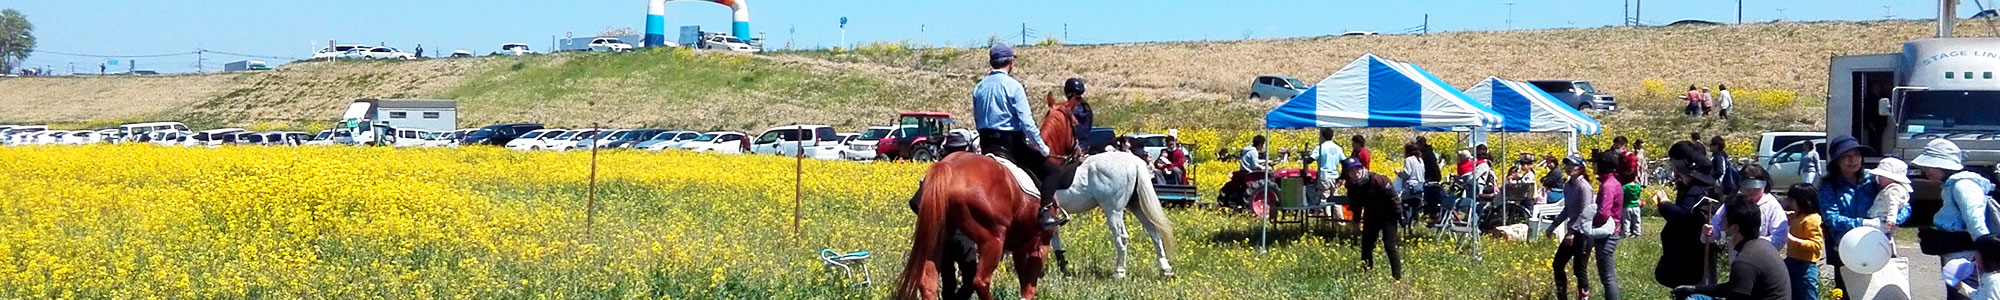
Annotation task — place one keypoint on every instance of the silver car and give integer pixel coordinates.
(1577, 93)
(1276, 86)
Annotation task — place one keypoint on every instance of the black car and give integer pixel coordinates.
(498, 135)
(1100, 136)
(633, 138)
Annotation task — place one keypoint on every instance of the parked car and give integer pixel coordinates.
(609, 44)
(324, 137)
(386, 52)
(533, 139)
(1358, 33)
(577, 141)
(727, 42)
(863, 146)
(18, 135)
(515, 49)
(721, 142)
(461, 53)
(138, 131)
(600, 140)
(498, 135)
(1781, 153)
(632, 138)
(167, 137)
(567, 138)
(413, 138)
(675, 142)
(1152, 144)
(337, 51)
(213, 137)
(1276, 86)
(814, 141)
(1099, 138)
(79, 137)
(1580, 94)
(250, 139)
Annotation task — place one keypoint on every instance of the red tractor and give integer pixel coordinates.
(923, 136)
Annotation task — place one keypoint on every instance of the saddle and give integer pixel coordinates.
(1060, 178)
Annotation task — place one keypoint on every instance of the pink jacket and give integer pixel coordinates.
(1610, 204)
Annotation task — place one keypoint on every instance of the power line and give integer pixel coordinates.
(114, 56)
(249, 55)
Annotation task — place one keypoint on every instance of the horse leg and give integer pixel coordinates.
(989, 260)
(1062, 262)
(1114, 216)
(1028, 265)
(1159, 245)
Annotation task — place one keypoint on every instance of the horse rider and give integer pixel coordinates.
(1000, 110)
(1073, 91)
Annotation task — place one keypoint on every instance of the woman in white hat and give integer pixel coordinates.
(1961, 219)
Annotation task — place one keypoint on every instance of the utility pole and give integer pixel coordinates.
(1781, 14)
(197, 59)
(1637, 5)
(1510, 15)
(1739, 12)
(1887, 14)
(1065, 32)
(1427, 24)
(1024, 34)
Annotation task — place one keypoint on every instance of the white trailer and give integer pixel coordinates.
(367, 119)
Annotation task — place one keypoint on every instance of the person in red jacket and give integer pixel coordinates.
(1361, 151)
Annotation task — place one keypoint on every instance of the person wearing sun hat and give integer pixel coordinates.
(1962, 218)
(1845, 198)
(1890, 176)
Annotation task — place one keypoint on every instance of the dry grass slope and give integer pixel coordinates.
(1147, 85)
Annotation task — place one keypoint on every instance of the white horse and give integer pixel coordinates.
(1116, 181)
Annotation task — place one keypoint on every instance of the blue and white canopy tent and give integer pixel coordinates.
(1525, 108)
(1373, 92)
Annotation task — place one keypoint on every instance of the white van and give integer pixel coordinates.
(814, 141)
(136, 132)
(213, 137)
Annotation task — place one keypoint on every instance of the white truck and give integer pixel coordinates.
(1936, 88)
(367, 119)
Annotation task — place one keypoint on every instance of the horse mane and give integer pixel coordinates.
(1057, 125)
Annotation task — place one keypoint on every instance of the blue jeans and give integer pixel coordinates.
(1805, 278)
(1699, 297)
(1607, 265)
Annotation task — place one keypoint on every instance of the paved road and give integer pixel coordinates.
(1925, 281)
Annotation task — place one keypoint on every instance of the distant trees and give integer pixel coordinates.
(17, 39)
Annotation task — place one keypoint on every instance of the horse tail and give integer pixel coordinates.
(1147, 202)
(929, 233)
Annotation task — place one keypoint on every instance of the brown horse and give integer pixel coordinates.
(976, 196)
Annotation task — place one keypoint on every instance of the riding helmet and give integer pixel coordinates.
(1073, 86)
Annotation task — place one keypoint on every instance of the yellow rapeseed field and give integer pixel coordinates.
(144, 222)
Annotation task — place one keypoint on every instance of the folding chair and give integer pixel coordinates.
(847, 262)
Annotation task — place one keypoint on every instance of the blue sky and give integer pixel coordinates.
(290, 29)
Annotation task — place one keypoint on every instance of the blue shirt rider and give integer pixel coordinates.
(1000, 111)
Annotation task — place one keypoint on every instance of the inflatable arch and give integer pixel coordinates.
(656, 19)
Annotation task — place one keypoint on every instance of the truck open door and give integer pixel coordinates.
(1856, 93)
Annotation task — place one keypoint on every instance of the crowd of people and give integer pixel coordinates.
(1722, 213)
(1774, 244)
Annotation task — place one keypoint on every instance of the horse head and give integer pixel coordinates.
(1056, 128)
